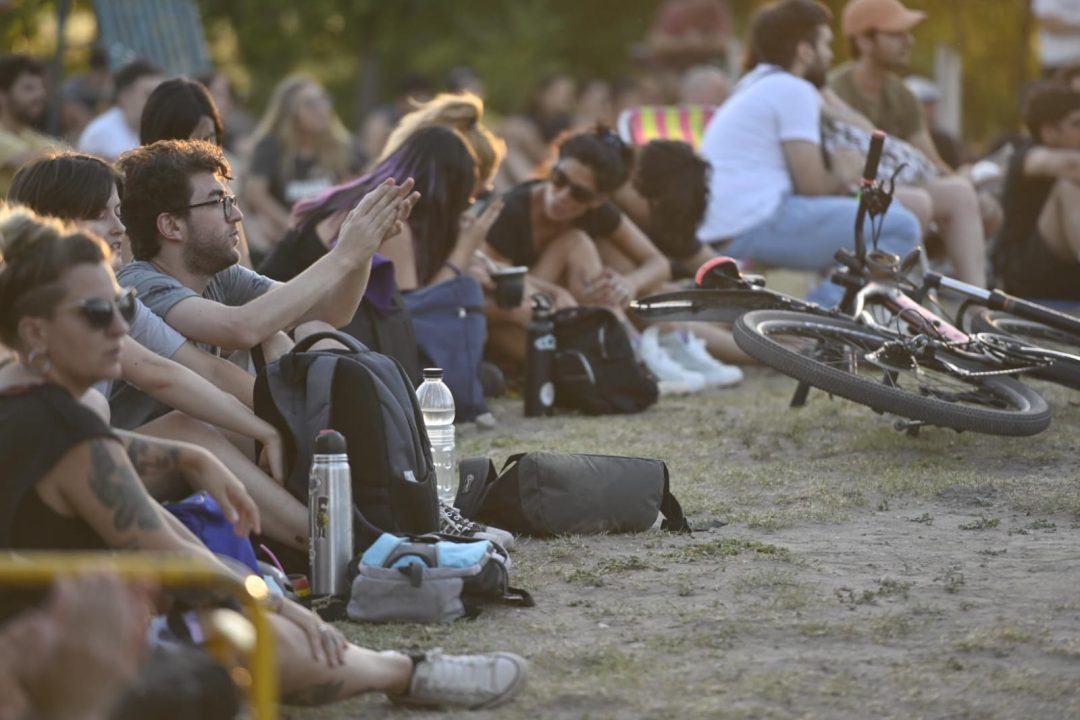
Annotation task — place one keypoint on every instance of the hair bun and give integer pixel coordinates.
(21, 229)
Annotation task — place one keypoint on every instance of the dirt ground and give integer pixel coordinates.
(850, 571)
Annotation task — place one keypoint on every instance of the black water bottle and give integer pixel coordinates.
(540, 359)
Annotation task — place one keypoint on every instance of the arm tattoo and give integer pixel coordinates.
(118, 489)
(155, 459)
(319, 694)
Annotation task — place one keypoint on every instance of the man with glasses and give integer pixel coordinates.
(183, 224)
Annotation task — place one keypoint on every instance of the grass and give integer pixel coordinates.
(843, 583)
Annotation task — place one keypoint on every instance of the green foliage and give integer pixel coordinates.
(360, 48)
(510, 43)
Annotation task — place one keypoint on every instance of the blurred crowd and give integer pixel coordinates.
(169, 236)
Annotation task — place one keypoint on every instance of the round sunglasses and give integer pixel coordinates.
(580, 193)
(98, 312)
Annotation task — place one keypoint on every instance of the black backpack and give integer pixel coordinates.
(596, 370)
(368, 398)
(388, 331)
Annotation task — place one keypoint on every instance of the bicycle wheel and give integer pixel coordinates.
(870, 367)
(1063, 371)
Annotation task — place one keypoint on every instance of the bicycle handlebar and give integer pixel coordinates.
(873, 158)
(867, 185)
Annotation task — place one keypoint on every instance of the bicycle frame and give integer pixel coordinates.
(260, 685)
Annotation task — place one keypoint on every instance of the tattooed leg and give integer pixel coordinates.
(306, 681)
(318, 694)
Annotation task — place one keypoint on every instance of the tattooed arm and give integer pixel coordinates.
(96, 482)
(168, 468)
(162, 465)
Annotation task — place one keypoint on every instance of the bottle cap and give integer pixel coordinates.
(433, 373)
(330, 442)
(542, 305)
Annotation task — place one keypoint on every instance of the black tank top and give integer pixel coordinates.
(38, 425)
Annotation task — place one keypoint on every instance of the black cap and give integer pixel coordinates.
(330, 442)
(433, 373)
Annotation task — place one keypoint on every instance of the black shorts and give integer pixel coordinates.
(1035, 272)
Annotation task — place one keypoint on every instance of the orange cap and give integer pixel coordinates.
(863, 16)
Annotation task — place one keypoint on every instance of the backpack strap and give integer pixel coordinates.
(517, 596)
(674, 519)
(344, 338)
(317, 401)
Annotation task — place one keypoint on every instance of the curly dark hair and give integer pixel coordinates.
(675, 182)
(157, 179)
(602, 151)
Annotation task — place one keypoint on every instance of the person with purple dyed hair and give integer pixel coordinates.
(435, 244)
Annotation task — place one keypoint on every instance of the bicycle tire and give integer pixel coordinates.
(838, 359)
(1063, 371)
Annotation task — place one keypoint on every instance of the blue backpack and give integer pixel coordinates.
(451, 332)
(201, 514)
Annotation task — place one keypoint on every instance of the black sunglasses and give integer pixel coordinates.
(98, 312)
(580, 193)
(227, 202)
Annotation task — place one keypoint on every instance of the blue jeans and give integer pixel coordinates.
(805, 232)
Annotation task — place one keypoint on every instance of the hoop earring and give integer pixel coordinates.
(32, 364)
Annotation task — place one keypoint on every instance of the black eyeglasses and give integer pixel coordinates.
(580, 193)
(227, 202)
(98, 312)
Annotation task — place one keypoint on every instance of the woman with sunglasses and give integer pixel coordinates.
(206, 392)
(78, 490)
(557, 227)
(568, 232)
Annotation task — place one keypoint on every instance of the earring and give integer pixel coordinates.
(38, 368)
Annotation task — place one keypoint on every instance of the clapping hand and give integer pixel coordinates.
(379, 215)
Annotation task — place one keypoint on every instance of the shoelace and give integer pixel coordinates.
(462, 526)
(452, 675)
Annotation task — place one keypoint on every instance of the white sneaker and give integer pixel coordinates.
(452, 522)
(475, 682)
(689, 351)
(671, 377)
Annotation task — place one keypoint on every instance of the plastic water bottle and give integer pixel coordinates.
(330, 517)
(437, 406)
(540, 359)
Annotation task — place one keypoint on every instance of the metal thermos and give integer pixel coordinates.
(330, 517)
(540, 359)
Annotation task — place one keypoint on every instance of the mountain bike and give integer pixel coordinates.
(880, 347)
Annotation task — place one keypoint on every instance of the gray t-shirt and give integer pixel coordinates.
(152, 333)
(235, 286)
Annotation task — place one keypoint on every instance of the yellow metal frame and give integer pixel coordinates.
(168, 570)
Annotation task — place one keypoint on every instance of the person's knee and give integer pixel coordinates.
(902, 227)
(918, 202)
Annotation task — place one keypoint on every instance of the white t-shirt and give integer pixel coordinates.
(742, 143)
(108, 135)
(1057, 49)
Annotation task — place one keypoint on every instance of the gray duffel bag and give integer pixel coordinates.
(546, 494)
